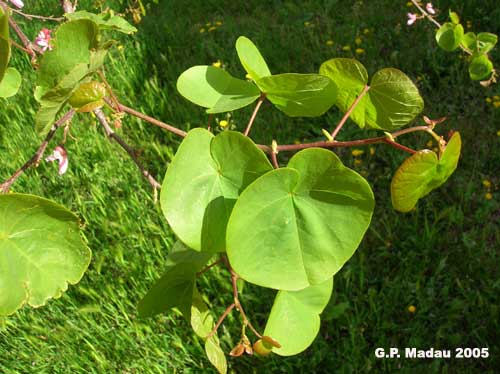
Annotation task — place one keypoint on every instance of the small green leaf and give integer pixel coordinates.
(297, 226)
(299, 95)
(87, 93)
(449, 36)
(4, 42)
(486, 41)
(294, 319)
(216, 89)
(391, 101)
(175, 288)
(203, 182)
(423, 172)
(41, 251)
(480, 67)
(251, 59)
(10, 83)
(216, 355)
(455, 19)
(104, 21)
(469, 41)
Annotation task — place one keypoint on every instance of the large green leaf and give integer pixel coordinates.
(294, 319)
(299, 95)
(203, 182)
(41, 251)
(216, 89)
(423, 172)
(10, 83)
(449, 36)
(175, 288)
(391, 101)
(72, 46)
(251, 59)
(480, 67)
(486, 41)
(104, 21)
(4, 42)
(297, 226)
(202, 323)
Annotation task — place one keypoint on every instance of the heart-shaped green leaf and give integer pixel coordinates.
(175, 288)
(423, 172)
(10, 83)
(469, 41)
(104, 21)
(486, 41)
(216, 89)
(87, 94)
(251, 59)
(4, 42)
(203, 182)
(297, 226)
(299, 95)
(294, 319)
(41, 251)
(392, 100)
(449, 36)
(480, 67)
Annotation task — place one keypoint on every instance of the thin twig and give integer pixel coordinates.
(207, 268)
(111, 134)
(116, 104)
(221, 319)
(32, 48)
(349, 111)
(35, 159)
(149, 119)
(43, 18)
(19, 46)
(262, 98)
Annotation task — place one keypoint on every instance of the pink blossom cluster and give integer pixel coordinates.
(43, 39)
(412, 17)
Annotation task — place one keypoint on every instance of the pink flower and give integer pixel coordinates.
(17, 3)
(61, 156)
(43, 39)
(411, 19)
(430, 8)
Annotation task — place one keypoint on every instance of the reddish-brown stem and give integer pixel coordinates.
(207, 268)
(35, 159)
(149, 119)
(19, 46)
(274, 159)
(30, 47)
(262, 98)
(132, 153)
(400, 146)
(221, 319)
(349, 112)
(43, 18)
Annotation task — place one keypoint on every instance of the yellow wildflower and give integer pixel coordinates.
(296, 141)
(213, 28)
(208, 24)
(488, 100)
(358, 162)
(223, 123)
(488, 196)
(360, 51)
(217, 64)
(372, 151)
(486, 183)
(329, 42)
(307, 24)
(358, 41)
(202, 30)
(412, 309)
(346, 48)
(496, 104)
(496, 97)
(366, 31)
(409, 4)
(218, 23)
(357, 152)
(498, 133)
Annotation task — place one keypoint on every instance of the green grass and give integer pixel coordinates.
(442, 258)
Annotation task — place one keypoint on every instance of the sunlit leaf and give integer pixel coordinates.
(294, 319)
(486, 41)
(480, 67)
(41, 251)
(449, 36)
(299, 95)
(104, 21)
(423, 172)
(4, 42)
(297, 226)
(203, 182)
(251, 59)
(215, 89)
(87, 94)
(391, 101)
(10, 83)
